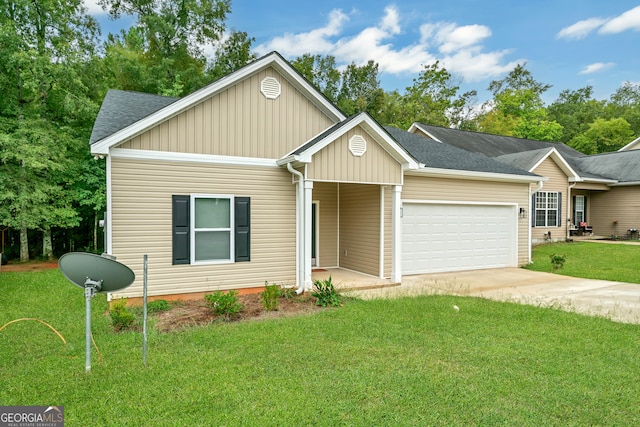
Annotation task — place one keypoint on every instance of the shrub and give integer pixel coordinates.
(557, 261)
(326, 293)
(224, 304)
(121, 316)
(288, 293)
(270, 296)
(157, 305)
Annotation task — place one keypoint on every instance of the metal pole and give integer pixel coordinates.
(88, 293)
(144, 314)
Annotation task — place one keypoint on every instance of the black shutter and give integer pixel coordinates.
(584, 206)
(533, 209)
(180, 244)
(573, 210)
(242, 233)
(560, 218)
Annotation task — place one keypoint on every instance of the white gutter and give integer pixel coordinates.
(569, 208)
(531, 212)
(299, 229)
(482, 176)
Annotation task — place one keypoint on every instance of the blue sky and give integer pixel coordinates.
(566, 43)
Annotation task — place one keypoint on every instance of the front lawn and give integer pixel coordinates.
(403, 362)
(602, 261)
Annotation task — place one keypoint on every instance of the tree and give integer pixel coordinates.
(165, 47)
(360, 89)
(44, 103)
(518, 108)
(603, 136)
(232, 54)
(575, 110)
(322, 71)
(625, 103)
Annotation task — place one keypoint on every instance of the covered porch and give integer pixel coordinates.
(346, 280)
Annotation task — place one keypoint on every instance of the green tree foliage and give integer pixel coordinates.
(603, 136)
(43, 110)
(575, 110)
(517, 108)
(233, 53)
(163, 53)
(625, 103)
(360, 90)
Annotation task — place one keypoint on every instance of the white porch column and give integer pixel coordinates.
(396, 230)
(306, 261)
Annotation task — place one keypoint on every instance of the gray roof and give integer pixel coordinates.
(524, 160)
(623, 166)
(121, 108)
(434, 154)
(494, 145)
(323, 135)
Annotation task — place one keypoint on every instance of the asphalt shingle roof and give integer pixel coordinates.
(122, 108)
(623, 166)
(434, 154)
(494, 145)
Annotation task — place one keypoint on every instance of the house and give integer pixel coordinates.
(602, 190)
(258, 177)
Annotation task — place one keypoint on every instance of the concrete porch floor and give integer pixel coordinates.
(349, 280)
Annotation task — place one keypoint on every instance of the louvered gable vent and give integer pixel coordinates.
(357, 145)
(270, 88)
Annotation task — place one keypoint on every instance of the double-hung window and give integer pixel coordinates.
(579, 208)
(212, 237)
(547, 209)
(211, 229)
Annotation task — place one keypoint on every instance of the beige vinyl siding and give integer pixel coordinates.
(443, 189)
(360, 228)
(239, 121)
(621, 204)
(557, 181)
(336, 163)
(142, 224)
(327, 196)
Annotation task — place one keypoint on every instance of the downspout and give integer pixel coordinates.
(299, 229)
(569, 208)
(532, 211)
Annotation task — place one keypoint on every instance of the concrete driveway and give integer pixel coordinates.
(614, 300)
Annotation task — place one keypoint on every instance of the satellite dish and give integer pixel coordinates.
(81, 267)
(94, 273)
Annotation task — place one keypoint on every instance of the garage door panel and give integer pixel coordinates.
(450, 237)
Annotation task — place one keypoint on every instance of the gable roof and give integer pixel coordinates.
(305, 152)
(436, 155)
(529, 160)
(153, 118)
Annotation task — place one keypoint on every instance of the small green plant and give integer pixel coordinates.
(270, 296)
(287, 293)
(157, 305)
(121, 316)
(557, 261)
(224, 304)
(326, 293)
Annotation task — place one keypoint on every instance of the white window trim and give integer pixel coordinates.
(546, 209)
(582, 210)
(231, 229)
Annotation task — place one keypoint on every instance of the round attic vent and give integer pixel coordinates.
(357, 145)
(270, 87)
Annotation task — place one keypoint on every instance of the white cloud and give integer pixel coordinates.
(580, 29)
(315, 41)
(629, 20)
(93, 8)
(459, 48)
(598, 66)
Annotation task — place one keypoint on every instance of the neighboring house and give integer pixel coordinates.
(258, 178)
(602, 190)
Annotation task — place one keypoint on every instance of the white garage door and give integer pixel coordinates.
(450, 237)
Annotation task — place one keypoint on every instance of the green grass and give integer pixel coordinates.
(591, 260)
(405, 362)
